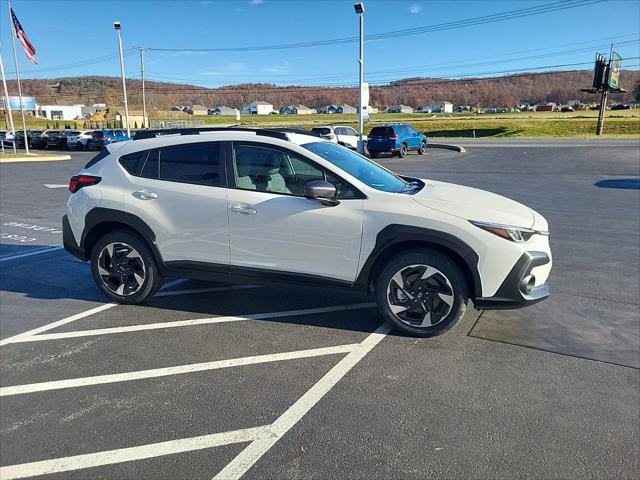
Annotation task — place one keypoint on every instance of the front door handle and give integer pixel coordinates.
(244, 208)
(145, 195)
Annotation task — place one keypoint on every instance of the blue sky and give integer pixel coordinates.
(66, 33)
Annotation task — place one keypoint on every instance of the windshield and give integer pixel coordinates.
(359, 167)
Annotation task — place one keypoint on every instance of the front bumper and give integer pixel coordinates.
(513, 293)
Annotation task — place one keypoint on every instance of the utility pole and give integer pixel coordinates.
(144, 102)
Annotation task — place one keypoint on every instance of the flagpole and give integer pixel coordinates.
(7, 105)
(15, 59)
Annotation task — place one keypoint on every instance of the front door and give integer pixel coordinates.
(274, 228)
(180, 192)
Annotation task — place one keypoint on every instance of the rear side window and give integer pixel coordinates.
(97, 158)
(321, 130)
(381, 131)
(199, 163)
(133, 162)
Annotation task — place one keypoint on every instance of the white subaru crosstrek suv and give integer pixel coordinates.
(259, 206)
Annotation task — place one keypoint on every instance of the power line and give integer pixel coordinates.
(509, 15)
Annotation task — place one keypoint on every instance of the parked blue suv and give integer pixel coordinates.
(398, 139)
(101, 138)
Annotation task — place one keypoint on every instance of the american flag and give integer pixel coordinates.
(22, 36)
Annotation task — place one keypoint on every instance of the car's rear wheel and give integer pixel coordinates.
(374, 154)
(423, 148)
(421, 293)
(402, 152)
(124, 268)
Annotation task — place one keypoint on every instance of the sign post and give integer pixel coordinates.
(606, 78)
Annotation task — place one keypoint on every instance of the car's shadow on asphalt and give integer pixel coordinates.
(57, 275)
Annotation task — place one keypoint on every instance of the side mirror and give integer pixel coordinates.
(322, 191)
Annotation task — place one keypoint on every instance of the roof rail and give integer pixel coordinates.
(142, 134)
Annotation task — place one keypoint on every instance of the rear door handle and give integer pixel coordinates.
(145, 195)
(244, 208)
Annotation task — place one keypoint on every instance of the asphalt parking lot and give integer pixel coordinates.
(213, 380)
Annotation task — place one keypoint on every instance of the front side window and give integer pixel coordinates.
(357, 166)
(270, 170)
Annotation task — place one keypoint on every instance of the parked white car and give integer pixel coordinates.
(267, 206)
(341, 134)
(79, 141)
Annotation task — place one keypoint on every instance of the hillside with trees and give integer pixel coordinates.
(506, 91)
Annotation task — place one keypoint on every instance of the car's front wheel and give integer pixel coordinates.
(421, 292)
(124, 268)
(423, 148)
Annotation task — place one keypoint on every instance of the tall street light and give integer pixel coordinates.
(117, 26)
(359, 8)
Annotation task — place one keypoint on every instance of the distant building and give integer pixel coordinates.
(60, 112)
(136, 119)
(442, 107)
(297, 110)
(178, 108)
(197, 110)
(547, 107)
(400, 109)
(88, 111)
(257, 108)
(347, 109)
(223, 110)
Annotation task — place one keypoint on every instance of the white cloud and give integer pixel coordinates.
(256, 2)
(277, 69)
(206, 2)
(415, 8)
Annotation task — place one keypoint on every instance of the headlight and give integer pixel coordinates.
(514, 234)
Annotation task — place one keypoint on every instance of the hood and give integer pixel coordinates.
(474, 204)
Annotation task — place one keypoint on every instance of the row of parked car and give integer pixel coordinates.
(65, 139)
(397, 139)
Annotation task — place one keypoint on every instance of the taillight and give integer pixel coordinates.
(393, 137)
(79, 181)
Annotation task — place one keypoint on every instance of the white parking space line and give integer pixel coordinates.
(28, 254)
(175, 370)
(121, 455)
(189, 323)
(254, 451)
(51, 326)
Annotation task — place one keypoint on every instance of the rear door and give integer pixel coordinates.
(413, 137)
(180, 192)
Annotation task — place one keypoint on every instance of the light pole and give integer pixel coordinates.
(117, 26)
(144, 102)
(359, 8)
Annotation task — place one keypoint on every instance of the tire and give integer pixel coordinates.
(403, 151)
(135, 278)
(423, 148)
(436, 303)
(374, 154)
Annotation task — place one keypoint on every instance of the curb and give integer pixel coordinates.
(38, 158)
(456, 148)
